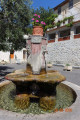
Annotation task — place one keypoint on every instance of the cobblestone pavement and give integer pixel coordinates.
(71, 76)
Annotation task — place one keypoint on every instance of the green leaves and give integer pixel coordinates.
(69, 24)
(69, 19)
(15, 16)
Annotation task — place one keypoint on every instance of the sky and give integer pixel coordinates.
(46, 3)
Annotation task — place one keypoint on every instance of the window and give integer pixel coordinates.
(70, 4)
(78, 30)
(51, 36)
(59, 10)
(65, 33)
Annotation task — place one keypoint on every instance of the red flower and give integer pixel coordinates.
(35, 14)
(32, 18)
(37, 20)
(38, 16)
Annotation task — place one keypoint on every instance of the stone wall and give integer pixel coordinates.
(64, 52)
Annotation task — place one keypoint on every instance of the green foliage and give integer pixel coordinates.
(50, 20)
(58, 23)
(29, 30)
(12, 51)
(65, 19)
(67, 64)
(15, 16)
(71, 17)
(69, 24)
(47, 16)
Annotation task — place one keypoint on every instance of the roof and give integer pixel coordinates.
(61, 4)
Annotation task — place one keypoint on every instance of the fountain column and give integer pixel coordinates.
(36, 45)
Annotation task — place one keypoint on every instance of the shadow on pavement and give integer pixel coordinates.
(4, 70)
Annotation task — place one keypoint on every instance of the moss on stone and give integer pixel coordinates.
(47, 103)
(22, 101)
(64, 98)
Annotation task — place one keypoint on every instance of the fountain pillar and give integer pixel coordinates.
(36, 46)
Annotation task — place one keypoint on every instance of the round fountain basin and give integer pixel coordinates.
(37, 86)
(65, 97)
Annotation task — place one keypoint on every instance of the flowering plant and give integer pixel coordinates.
(36, 21)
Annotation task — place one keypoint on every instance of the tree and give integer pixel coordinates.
(15, 16)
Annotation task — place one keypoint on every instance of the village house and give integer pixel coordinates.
(18, 56)
(65, 10)
(64, 37)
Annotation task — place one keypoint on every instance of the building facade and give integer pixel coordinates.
(64, 38)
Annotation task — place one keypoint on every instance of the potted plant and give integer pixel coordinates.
(37, 25)
(49, 64)
(68, 67)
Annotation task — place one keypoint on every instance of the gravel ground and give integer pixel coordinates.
(71, 76)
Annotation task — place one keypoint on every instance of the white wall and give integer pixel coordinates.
(6, 56)
(66, 12)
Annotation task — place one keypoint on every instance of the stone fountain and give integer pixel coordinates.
(36, 82)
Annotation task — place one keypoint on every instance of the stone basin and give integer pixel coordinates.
(65, 97)
(50, 76)
(42, 86)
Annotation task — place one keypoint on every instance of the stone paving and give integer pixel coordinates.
(8, 68)
(71, 76)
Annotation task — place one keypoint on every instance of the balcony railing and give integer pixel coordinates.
(64, 38)
(51, 40)
(77, 36)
